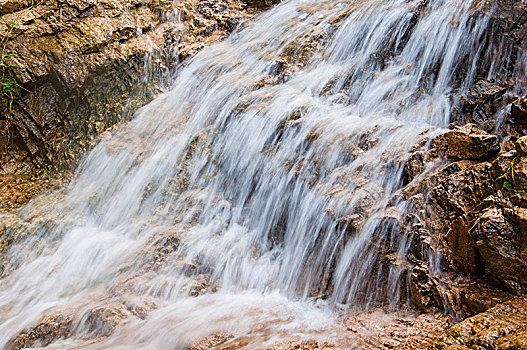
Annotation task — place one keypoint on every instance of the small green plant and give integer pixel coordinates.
(9, 88)
(511, 184)
(510, 169)
(509, 174)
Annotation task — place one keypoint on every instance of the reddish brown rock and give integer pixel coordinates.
(476, 296)
(102, 320)
(467, 142)
(505, 265)
(211, 341)
(479, 104)
(78, 67)
(460, 187)
(462, 243)
(502, 327)
(519, 110)
(423, 291)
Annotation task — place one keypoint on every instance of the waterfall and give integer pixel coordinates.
(256, 195)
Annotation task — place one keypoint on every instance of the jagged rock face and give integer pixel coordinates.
(474, 215)
(519, 111)
(82, 66)
(478, 103)
(478, 206)
(505, 263)
(508, 23)
(473, 207)
(483, 105)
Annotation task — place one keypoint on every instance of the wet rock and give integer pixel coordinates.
(211, 341)
(519, 111)
(261, 4)
(502, 167)
(457, 347)
(352, 223)
(381, 328)
(165, 246)
(83, 66)
(390, 221)
(467, 142)
(501, 327)
(521, 146)
(479, 105)
(505, 263)
(518, 173)
(44, 333)
(9, 6)
(9, 233)
(102, 320)
(301, 345)
(414, 165)
(460, 187)
(474, 216)
(517, 216)
(202, 287)
(462, 243)
(16, 228)
(476, 296)
(17, 189)
(423, 292)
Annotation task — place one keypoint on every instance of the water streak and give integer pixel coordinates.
(265, 179)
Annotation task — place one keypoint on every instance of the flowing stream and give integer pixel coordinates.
(253, 197)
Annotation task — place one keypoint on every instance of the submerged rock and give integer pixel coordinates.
(44, 333)
(102, 320)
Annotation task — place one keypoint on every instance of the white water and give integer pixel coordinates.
(242, 188)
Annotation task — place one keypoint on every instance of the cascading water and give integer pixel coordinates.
(262, 182)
